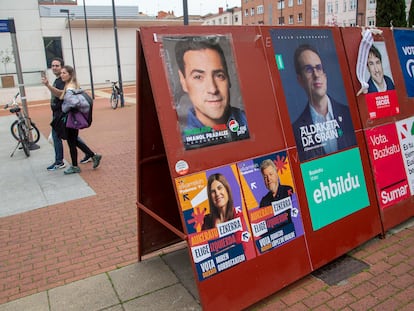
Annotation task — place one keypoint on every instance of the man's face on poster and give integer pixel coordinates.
(375, 68)
(270, 178)
(206, 82)
(312, 76)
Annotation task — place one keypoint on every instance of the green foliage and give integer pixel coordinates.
(411, 15)
(391, 12)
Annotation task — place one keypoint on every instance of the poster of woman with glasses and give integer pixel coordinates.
(318, 110)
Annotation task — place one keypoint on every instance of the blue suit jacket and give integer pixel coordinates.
(346, 136)
(372, 88)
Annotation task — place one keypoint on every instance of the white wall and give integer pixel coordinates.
(31, 29)
(29, 40)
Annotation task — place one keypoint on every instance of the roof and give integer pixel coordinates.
(92, 12)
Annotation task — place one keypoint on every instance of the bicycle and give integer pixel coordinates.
(20, 129)
(115, 95)
(14, 129)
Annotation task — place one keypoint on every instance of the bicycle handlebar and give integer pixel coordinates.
(13, 102)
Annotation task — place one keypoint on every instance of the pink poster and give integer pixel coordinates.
(387, 164)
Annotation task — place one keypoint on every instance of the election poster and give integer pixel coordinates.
(335, 187)
(387, 163)
(405, 129)
(313, 86)
(381, 99)
(205, 89)
(271, 201)
(216, 220)
(404, 41)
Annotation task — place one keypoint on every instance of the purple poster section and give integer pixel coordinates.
(217, 224)
(271, 201)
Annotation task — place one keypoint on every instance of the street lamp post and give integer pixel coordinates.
(118, 61)
(89, 52)
(185, 12)
(70, 35)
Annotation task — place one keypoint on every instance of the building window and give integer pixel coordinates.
(345, 1)
(352, 5)
(53, 48)
(290, 3)
(252, 11)
(225, 20)
(300, 18)
(336, 7)
(246, 12)
(329, 8)
(280, 4)
(281, 20)
(236, 18)
(290, 19)
(315, 13)
(300, 2)
(219, 21)
(371, 21)
(372, 4)
(260, 9)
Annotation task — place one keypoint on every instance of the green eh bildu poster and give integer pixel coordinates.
(335, 187)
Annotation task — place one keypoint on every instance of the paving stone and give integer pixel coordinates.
(36, 302)
(94, 293)
(142, 278)
(174, 298)
(180, 263)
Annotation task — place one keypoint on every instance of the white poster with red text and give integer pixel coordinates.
(405, 129)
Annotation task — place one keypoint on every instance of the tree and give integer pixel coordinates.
(411, 15)
(388, 12)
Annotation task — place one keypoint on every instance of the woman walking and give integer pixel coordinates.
(70, 101)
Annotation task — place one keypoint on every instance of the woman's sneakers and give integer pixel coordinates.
(96, 160)
(72, 170)
(86, 159)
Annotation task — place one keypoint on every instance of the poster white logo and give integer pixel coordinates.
(409, 66)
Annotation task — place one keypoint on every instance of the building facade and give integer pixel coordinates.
(343, 13)
(228, 17)
(43, 31)
(276, 12)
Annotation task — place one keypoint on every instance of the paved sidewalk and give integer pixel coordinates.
(81, 254)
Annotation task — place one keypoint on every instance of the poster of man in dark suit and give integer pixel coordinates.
(319, 113)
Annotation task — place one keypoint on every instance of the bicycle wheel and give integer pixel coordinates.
(24, 138)
(15, 132)
(114, 101)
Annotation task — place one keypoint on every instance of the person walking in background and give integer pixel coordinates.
(56, 91)
(70, 101)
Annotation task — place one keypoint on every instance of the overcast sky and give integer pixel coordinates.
(151, 7)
